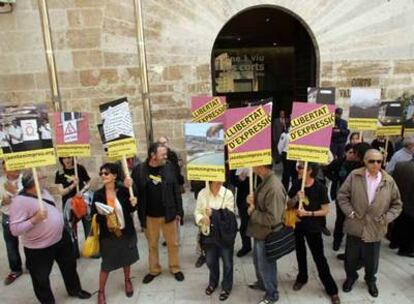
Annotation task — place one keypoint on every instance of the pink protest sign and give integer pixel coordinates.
(208, 108)
(310, 132)
(72, 133)
(248, 136)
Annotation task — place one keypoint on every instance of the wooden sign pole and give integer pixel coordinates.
(302, 188)
(75, 164)
(126, 172)
(38, 191)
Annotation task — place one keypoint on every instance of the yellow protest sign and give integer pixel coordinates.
(308, 153)
(408, 131)
(30, 159)
(389, 130)
(1, 153)
(363, 124)
(250, 159)
(76, 150)
(208, 111)
(206, 173)
(123, 147)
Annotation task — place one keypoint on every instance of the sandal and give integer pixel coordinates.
(224, 295)
(210, 290)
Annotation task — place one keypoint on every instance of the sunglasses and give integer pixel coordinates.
(104, 173)
(372, 161)
(300, 167)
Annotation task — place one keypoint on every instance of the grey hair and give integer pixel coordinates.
(28, 179)
(375, 151)
(409, 140)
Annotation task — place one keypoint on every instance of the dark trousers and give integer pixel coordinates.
(12, 246)
(403, 233)
(289, 171)
(338, 150)
(244, 221)
(357, 249)
(213, 255)
(315, 244)
(339, 226)
(40, 262)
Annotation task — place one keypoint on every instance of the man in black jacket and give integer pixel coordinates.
(340, 134)
(159, 208)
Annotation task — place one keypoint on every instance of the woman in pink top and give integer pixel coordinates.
(45, 240)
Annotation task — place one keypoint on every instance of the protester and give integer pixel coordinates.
(160, 208)
(118, 243)
(240, 179)
(289, 173)
(172, 157)
(4, 139)
(315, 208)
(10, 185)
(355, 138)
(211, 199)
(402, 234)
(44, 239)
(379, 144)
(266, 209)
(337, 171)
(340, 133)
(405, 154)
(280, 125)
(67, 183)
(16, 135)
(370, 200)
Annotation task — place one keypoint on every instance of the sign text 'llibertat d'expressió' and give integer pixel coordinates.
(311, 122)
(209, 111)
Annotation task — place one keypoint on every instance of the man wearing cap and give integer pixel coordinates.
(340, 134)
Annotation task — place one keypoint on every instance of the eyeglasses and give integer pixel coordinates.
(372, 161)
(104, 173)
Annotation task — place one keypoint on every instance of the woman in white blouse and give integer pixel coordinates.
(212, 198)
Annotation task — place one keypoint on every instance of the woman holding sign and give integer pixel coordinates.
(311, 213)
(118, 240)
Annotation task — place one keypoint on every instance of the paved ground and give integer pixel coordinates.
(395, 278)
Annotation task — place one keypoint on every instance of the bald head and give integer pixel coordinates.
(373, 161)
(163, 140)
(373, 153)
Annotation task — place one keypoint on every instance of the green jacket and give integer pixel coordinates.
(270, 204)
(370, 221)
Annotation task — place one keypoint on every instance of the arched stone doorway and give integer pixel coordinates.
(264, 52)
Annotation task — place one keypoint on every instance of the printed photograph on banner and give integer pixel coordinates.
(408, 118)
(364, 108)
(204, 143)
(248, 136)
(26, 136)
(321, 95)
(71, 133)
(390, 117)
(310, 132)
(117, 127)
(208, 108)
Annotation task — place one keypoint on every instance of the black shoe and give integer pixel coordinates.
(325, 231)
(347, 287)
(149, 277)
(179, 276)
(372, 289)
(82, 294)
(341, 256)
(393, 245)
(242, 252)
(200, 261)
(256, 286)
(224, 294)
(164, 244)
(298, 286)
(406, 254)
(336, 246)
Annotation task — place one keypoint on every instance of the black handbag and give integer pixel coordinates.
(280, 242)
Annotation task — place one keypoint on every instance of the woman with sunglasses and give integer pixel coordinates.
(315, 208)
(118, 243)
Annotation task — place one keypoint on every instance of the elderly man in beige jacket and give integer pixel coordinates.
(370, 199)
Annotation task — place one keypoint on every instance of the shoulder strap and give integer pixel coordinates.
(22, 193)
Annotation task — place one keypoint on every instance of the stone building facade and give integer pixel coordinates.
(358, 43)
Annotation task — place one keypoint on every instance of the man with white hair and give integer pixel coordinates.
(405, 154)
(370, 200)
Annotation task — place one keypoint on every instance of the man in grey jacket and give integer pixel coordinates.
(266, 209)
(370, 200)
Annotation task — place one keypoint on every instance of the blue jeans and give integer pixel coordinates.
(213, 255)
(12, 246)
(266, 272)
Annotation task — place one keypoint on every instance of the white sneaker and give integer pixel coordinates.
(267, 301)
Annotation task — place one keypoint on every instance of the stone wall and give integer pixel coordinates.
(359, 42)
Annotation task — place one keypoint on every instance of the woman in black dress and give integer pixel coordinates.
(118, 245)
(311, 215)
